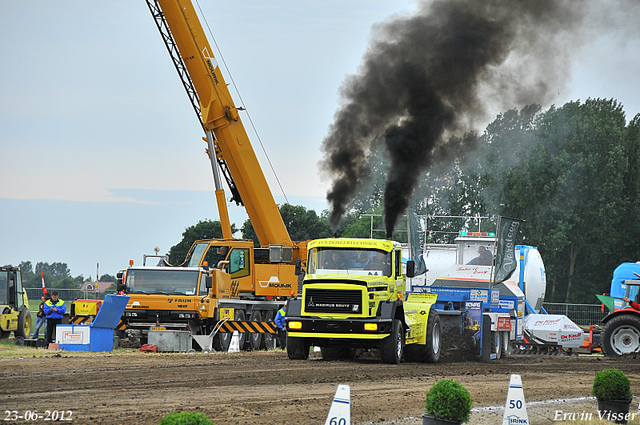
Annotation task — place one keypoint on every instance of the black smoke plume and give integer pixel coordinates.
(426, 82)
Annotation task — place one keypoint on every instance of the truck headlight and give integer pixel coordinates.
(370, 326)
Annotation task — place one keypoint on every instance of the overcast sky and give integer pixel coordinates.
(102, 157)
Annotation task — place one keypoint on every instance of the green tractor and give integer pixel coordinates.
(14, 304)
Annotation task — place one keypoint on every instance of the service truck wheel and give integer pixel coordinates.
(297, 348)
(244, 337)
(506, 344)
(24, 323)
(392, 347)
(496, 344)
(621, 335)
(255, 339)
(269, 340)
(222, 340)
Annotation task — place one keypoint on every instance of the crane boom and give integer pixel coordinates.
(220, 119)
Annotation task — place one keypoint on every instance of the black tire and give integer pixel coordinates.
(4, 334)
(431, 350)
(297, 348)
(496, 344)
(621, 335)
(255, 339)
(269, 340)
(244, 337)
(221, 341)
(334, 353)
(506, 344)
(392, 347)
(24, 323)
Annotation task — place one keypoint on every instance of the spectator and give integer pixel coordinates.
(54, 310)
(280, 324)
(40, 318)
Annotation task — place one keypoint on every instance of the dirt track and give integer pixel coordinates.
(268, 388)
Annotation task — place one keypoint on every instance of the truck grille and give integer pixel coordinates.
(348, 301)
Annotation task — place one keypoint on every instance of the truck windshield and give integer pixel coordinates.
(167, 281)
(352, 261)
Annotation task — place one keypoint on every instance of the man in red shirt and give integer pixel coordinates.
(634, 305)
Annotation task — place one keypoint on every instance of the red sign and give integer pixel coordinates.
(504, 323)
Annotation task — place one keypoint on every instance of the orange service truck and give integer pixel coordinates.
(220, 278)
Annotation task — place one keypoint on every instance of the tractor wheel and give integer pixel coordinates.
(297, 348)
(269, 340)
(430, 352)
(24, 323)
(621, 335)
(392, 347)
(255, 339)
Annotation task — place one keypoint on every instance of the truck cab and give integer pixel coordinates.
(352, 297)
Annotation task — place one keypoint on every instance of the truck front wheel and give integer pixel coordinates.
(297, 348)
(430, 351)
(392, 347)
(621, 335)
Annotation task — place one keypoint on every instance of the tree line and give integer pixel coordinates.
(56, 275)
(572, 173)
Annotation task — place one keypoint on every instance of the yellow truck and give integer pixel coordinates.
(353, 297)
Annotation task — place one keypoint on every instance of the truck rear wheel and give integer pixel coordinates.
(621, 335)
(255, 339)
(24, 323)
(430, 351)
(392, 347)
(297, 348)
(221, 341)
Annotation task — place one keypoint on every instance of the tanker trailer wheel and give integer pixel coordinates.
(621, 335)
(297, 348)
(430, 352)
(24, 323)
(255, 339)
(391, 347)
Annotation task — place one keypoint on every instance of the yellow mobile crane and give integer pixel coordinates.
(192, 296)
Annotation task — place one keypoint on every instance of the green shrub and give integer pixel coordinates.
(185, 418)
(611, 384)
(448, 400)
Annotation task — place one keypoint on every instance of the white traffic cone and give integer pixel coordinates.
(234, 347)
(515, 409)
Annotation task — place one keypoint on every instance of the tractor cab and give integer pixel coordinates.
(14, 304)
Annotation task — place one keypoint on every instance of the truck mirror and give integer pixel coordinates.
(208, 281)
(411, 268)
(298, 267)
